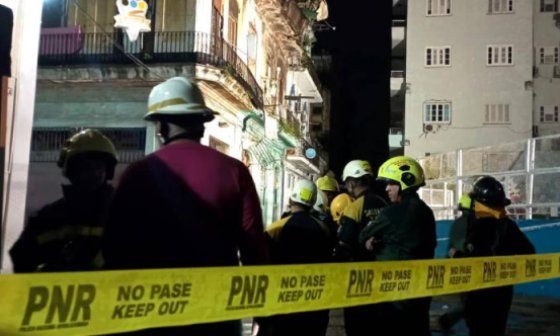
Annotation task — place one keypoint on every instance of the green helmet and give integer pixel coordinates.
(90, 142)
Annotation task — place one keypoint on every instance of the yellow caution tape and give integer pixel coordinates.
(113, 301)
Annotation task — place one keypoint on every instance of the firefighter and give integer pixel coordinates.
(338, 206)
(405, 230)
(329, 186)
(358, 179)
(300, 239)
(186, 205)
(457, 237)
(66, 235)
(491, 233)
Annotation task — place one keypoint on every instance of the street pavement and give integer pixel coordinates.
(529, 316)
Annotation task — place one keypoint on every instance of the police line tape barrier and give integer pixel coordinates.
(110, 301)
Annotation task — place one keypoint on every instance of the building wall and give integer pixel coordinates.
(92, 105)
(176, 15)
(547, 86)
(468, 83)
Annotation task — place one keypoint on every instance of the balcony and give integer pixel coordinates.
(71, 47)
(285, 19)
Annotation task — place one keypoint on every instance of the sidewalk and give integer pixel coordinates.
(529, 316)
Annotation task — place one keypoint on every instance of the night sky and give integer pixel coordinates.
(359, 80)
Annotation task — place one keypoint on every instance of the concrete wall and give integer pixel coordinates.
(176, 15)
(468, 83)
(547, 88)
(94, 105)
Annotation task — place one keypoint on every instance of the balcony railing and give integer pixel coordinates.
(178, 47)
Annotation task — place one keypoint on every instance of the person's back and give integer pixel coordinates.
(194, 207)
(300, 239)
(185, 205)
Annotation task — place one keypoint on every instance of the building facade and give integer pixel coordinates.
(246, 55)
(480, 72)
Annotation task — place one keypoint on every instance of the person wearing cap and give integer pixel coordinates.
(491, 233)
(358, 180)
(405, 230)
(300, 238)
(185, 205)
(66, 235)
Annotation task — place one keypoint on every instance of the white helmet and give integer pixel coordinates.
(177, 96)
(321, 204)
(356, 169)
(304, 192)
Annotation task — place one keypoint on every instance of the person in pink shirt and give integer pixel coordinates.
(186, 205)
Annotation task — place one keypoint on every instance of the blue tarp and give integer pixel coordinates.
(544, 234)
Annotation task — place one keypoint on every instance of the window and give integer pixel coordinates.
(549, 114)
(499, 55)
(252, 45)
(549, 6)
(497, 114)
(232, 23)
(500, 6)
(439, 7)
(548, 55)
(438, 56)
(437, 112)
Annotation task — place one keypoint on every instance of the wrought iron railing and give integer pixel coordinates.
(156, 47)
(46, 143)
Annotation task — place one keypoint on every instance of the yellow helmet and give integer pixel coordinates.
(404, 170)
(327, 183)
(465, 202)
(356, 169)
(88, 141)
(338, 205)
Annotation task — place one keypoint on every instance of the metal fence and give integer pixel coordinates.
(170, 46)
(529, 171)
(46, 143)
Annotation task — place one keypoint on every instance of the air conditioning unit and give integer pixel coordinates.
(428, 128)
(535, 71)
(557, 71)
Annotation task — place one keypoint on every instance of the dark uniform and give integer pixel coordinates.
(458, 232)
(486, 310)
(403, 231)
(64, 235)
(356, 217)
(300, 239)
(457, 239)
(364, 210)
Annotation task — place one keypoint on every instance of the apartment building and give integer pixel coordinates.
(480, 72)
